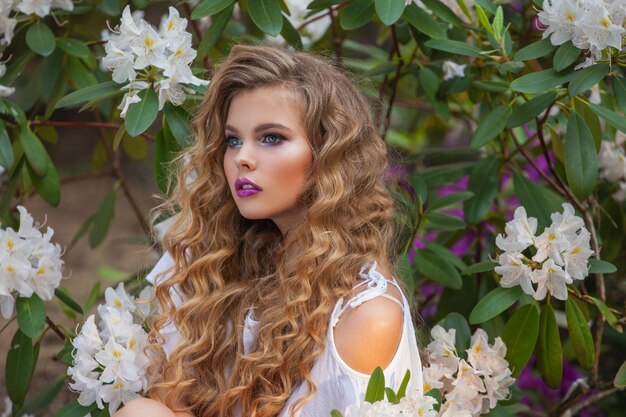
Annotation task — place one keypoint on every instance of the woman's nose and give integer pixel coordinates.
(245, 157)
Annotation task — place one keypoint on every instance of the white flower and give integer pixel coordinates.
(442, 350)
(567, 223)
(520, 232)
(39, 7)
(550, 278)
(514, 271)
(118, 298)
(120, 61)
(550, 244)
(452, 69)
(119, 392)
(173, 26)
(577, 255)
(418, 405)
(89, 387)
(454, 409)
(612, 160)
(467, 388)
(563, 20)
(7, 24)
(170, 90)
(497, 387)
(486, 359)
(63, 4)
(128, 99)
(46, 278)
(149, 48)
(599, 30)
(435, 376)
(118, 362)
(88, 340)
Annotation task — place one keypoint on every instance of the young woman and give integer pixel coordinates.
(277, 281)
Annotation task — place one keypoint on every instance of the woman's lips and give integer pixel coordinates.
(244, 187)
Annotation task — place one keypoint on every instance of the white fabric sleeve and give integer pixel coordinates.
(169, 332)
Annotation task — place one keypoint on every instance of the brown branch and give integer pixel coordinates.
(55, 328)
(394, 86)
(571, 407)
(336, 38)
(84, 124)
(194, 24)
(320, 16)
(86, 177)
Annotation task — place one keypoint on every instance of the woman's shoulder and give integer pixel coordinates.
(370, 328)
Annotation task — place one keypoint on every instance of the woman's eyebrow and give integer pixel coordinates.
(260, 127)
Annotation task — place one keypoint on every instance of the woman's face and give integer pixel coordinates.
(268, 157)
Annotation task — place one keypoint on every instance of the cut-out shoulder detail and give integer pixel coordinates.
(368, 335)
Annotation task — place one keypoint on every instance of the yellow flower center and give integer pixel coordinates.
(117, 354)
(10, 268)
(170, 25)
(576, 250)
(118, 303)
(570, 16)
(10, 244)
(551, 236)
(149, 42)
(427, 387)
(605, 22)
(118, 385)
(131, 343)
(179, 52)
(477, 348)
(41, 271)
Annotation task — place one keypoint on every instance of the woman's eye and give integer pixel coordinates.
(232, 141)
(272, 139)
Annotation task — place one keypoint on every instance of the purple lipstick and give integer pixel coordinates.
(244, 187)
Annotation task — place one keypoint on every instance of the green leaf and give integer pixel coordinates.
(376, 386)
(581, 159)
(538, 201)
(177, 119)
(584, 79)
(447, 255)
(44, 397)
(463, 332)
(443, 11)
(356, 14)
(548, 351)
(135, 147)
(165, 148)
(484, 20)
(40, 39)
(391, 396)
(611, 117)
(580, 334)
(31, 315)
(483, 182)
(620, 377)
(103, 90)
(266, 15)
(619, 89)
(534, 50)
(539, 82)
(430, 83)
(492, 86)
(214, 32)
(36, 153)
(48, 186)
(607, 314)
(494, 303)
(431, 265)
(565, 56)
(335, 413)
(6, 150)
(531, 109)
(449, 200)
(445, 222)
(66, 299)
(74, 47)
(74, 409)
(491, 126)
(140, 116)
(291, 34)
(389, 11)
(92, 298)
(498, 22)
(422, 21)
(210, 8)
(19, 367)
(484, 266)
(454, 47)
(405, 382)
(102, 220)
(322, 4)
(597, 266)
(520, 337)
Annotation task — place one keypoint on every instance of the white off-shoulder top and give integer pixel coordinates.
(338, 385)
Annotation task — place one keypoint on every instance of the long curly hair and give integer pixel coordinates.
(226, 264)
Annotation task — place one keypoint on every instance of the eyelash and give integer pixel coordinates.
(280, 138)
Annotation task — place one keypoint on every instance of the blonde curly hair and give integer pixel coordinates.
(225, 264)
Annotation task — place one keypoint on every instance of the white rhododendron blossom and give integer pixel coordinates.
(612, 162)
(559, 255)
(451, 70)
(140, 56)
(299, 14)
(9, 11)
(594, 25)
(29, 261)
(110, 359)
(469, 387)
